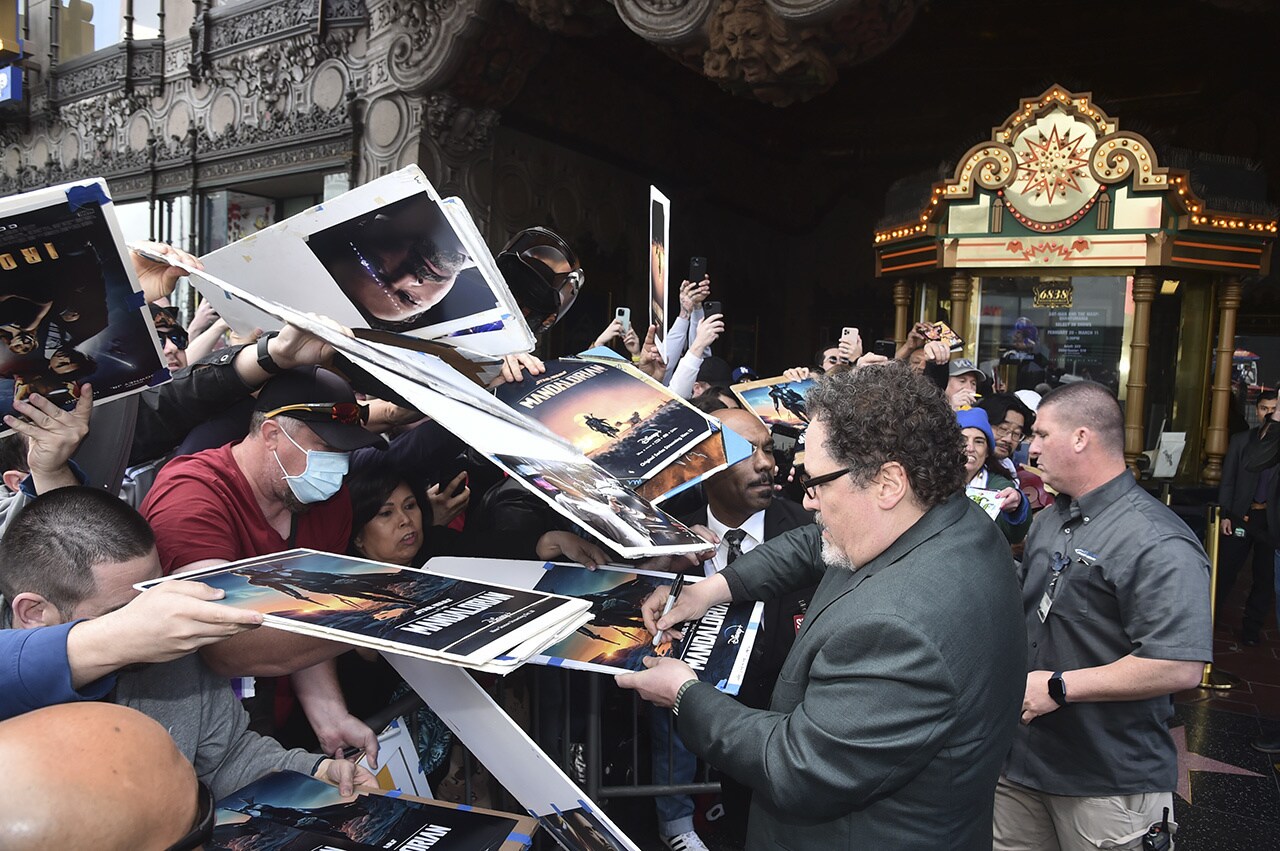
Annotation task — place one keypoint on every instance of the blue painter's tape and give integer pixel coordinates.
(504, 658)
(466, 808)
(554, 661)
(523, 838)
(160, 376)
(394, 793)
(137, 300)
(546, 565)
(83, 196)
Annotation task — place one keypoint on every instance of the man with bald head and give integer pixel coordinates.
(1115, 593)
(93, 775)
(741, 512)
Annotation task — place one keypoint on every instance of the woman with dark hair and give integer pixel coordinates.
(983, 473)
(388, 526)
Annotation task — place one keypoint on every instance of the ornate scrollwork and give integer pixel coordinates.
(1119, 156)
(666, 22)
(238, 27)
(990, 165)
(99, 122)
(268, 73)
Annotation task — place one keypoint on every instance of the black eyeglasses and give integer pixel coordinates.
(347, 413)
(1006, 430)
(811, 484)
(202, 832)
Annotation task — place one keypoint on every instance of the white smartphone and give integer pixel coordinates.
(624, 313)
(848, 333)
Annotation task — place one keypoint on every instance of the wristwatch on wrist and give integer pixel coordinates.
(1058, 689)
(268, 365)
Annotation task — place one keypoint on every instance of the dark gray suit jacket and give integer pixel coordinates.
(777, 624)
(1235, 490)
(894, 711)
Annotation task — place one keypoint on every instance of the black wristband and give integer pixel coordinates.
(268, 365)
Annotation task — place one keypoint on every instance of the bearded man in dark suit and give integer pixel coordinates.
(894, 710)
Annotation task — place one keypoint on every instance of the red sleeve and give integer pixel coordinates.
(191, 521)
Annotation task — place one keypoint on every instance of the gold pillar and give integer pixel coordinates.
(961, 287)
(1135, 406)
(1215, 444)
(901, 310)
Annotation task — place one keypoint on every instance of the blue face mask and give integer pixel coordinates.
(320, 479)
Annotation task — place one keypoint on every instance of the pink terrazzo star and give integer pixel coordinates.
(1189, 762)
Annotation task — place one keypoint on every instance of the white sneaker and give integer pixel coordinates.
(690, 841)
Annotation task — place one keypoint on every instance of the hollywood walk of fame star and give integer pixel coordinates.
(1189, 762)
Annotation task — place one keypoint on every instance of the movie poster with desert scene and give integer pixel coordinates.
(385, 606)
(630, 426)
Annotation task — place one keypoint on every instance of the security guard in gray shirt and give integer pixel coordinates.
(1115, 593)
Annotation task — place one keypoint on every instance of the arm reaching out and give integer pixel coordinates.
(160, 624)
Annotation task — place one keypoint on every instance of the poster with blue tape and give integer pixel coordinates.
(71, 309)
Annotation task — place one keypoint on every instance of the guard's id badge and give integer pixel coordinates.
(1043, 609)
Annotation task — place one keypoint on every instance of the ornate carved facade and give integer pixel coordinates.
(265, 88)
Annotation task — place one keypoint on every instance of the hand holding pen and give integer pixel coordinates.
(672, 596)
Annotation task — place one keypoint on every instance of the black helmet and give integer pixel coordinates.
(543, 274)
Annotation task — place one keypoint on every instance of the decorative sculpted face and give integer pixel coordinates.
(753, 51)
(746, 37)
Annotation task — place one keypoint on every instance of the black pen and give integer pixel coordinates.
(671, 601)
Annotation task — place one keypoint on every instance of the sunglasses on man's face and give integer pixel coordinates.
(202, 831)
(177, 336)
(347, 413)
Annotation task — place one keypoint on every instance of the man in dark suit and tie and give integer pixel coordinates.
(740, 513)
(895, 709)
(1242, 493)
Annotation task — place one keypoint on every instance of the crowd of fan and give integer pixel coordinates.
(260, 445)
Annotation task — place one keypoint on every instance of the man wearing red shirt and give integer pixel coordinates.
(280, 487)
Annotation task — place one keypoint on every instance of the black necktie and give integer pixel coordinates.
(734, 539)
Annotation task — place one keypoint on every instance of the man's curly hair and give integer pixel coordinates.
(885, 412)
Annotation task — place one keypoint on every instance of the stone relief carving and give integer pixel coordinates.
(268, 73)
(99, 122)
(753, 51)
(458, 129)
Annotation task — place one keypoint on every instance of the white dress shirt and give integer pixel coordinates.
(754, 527)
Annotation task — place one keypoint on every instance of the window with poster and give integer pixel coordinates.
(1050, 330)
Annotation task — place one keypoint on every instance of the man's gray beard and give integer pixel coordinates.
(832, 556)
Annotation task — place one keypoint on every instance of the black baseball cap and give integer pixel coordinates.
(332, 421)
(715, 371)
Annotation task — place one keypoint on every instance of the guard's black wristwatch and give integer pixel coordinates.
(1058, 689)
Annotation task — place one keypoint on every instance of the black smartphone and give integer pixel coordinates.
(711, 308)
(697, 269)
(450, 470)
(888, 348)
